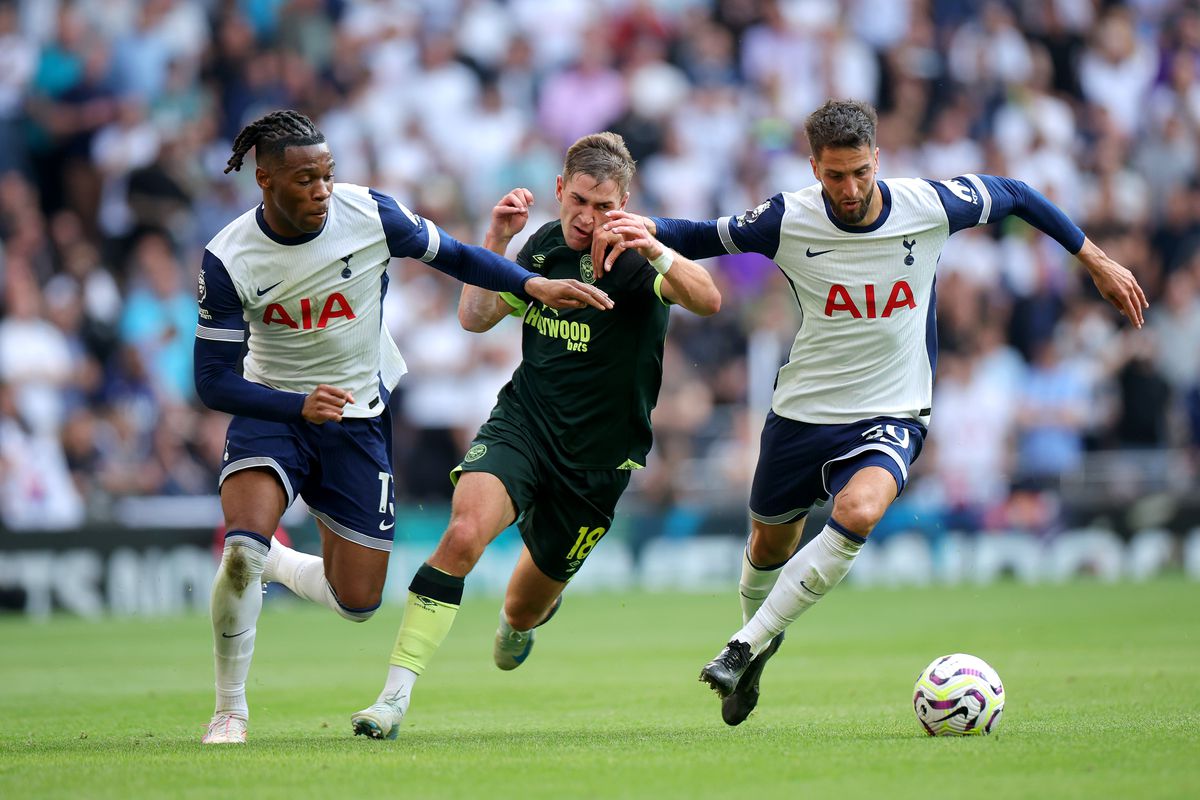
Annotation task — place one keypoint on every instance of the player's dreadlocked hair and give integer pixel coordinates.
(841, 123)
(272, 134)
(602, 156)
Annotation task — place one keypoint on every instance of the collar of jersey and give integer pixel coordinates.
(884, 192)
(288, 240)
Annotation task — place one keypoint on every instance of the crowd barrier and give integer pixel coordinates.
(159, 569)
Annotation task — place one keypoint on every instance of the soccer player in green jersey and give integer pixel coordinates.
(566, 431)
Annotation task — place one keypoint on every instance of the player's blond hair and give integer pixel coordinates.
(602, 156)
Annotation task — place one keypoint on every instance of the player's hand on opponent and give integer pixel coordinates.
(628, 232)
(623, 231)
(325, 404)
(567, 293)
(1115, 283)
(509, 217)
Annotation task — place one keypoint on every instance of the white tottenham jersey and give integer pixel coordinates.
(867, 344)
(313, 303)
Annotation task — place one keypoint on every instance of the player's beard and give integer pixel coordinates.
(859, 213)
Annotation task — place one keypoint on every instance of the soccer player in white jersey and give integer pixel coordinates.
(852, 403)
(305, 272)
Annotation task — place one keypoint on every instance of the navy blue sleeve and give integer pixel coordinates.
(972, 200)
(221, 388)
(695, 240)
(410, 236)
(218, 350)
(755, 231)
(219, 304)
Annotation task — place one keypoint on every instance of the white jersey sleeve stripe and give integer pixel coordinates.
(219, 334)
(984, 196)
(435, 242)
(726, 237)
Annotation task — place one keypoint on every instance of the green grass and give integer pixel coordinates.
(1103, 686)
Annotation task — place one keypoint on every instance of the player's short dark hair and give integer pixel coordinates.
(602, 156)
(273, 133)
(841, 123)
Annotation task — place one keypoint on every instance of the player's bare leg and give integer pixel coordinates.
(809, 575)
(480, 510)
(531, 600)
(348, 578)
(766, 553)
(252, 501)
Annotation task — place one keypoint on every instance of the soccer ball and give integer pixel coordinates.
(959, 695)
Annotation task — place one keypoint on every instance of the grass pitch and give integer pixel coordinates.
(1103, 686)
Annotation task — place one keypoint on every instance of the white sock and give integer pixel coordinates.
(236, 603)
(398, 688)
(806, 578)
(755, 584)
(304, 574)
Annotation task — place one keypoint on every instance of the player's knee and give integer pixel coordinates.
(858, 511)
(358, 606)
(356, 614)
(356, 603)
(461, 545)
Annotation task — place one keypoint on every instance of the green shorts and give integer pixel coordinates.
(562, 512)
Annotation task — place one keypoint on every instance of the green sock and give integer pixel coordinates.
(433, 601)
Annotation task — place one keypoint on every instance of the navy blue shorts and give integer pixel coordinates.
(800, 463)
(343, 470)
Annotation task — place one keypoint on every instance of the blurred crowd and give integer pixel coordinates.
(117, 117)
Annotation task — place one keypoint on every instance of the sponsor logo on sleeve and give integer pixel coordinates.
(750, 216)
(963, 190)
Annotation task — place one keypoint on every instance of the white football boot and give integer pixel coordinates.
(382, 719)
(225, 728)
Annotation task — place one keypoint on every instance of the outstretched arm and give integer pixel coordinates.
(696, 239)
(410, 236)
(754, 231)
(684, 281)
(978, 199)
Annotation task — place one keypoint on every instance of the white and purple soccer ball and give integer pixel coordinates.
(959, 695)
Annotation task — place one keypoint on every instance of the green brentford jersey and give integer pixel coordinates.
(588, 379)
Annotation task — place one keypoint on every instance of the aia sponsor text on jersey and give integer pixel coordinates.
(860, 302)
(335, 306)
